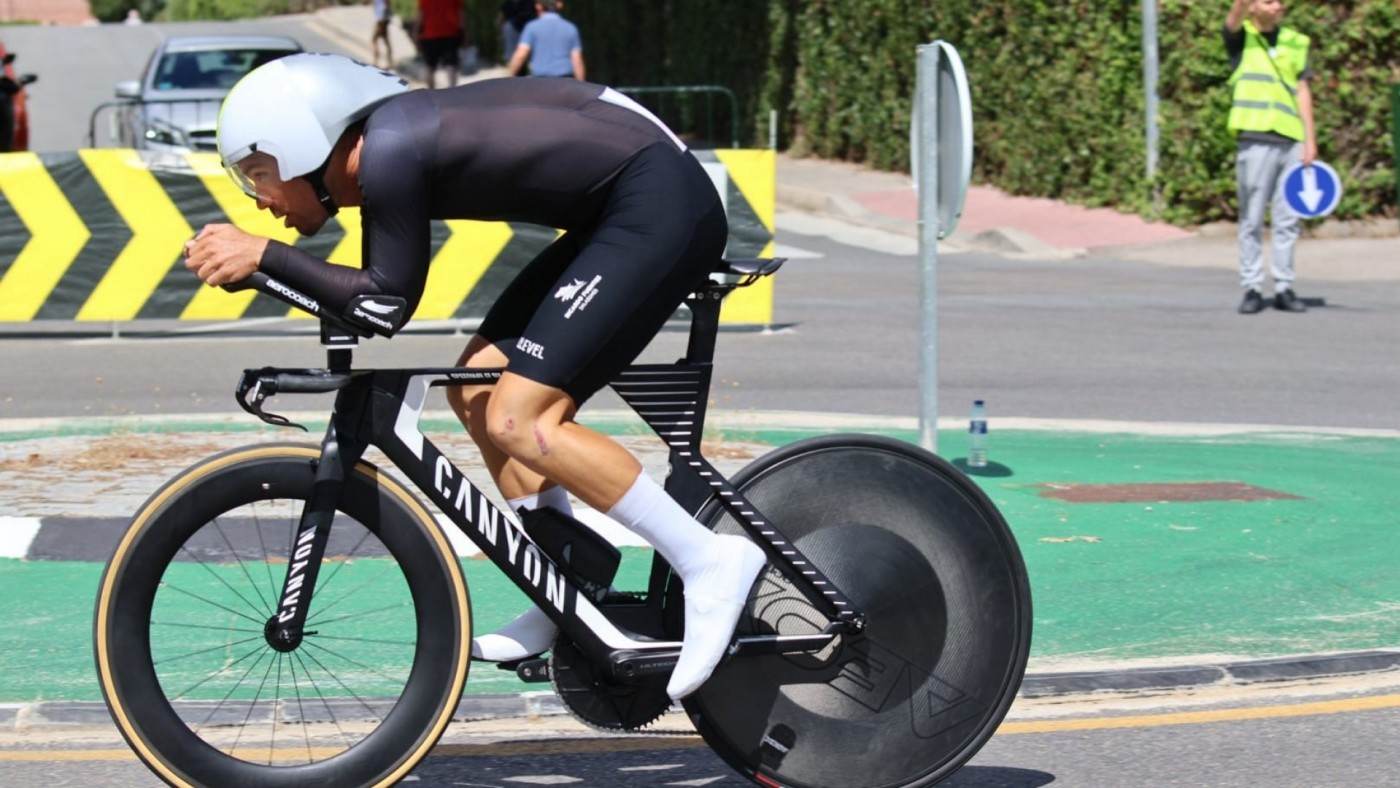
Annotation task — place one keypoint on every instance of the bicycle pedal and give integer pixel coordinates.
(531, 671)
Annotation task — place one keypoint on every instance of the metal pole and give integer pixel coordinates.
(1149, 83)
(926, 107)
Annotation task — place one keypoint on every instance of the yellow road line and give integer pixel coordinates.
(1200, 717)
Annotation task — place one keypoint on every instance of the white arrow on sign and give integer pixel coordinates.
(1312, 196)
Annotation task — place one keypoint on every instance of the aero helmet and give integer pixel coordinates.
(294, 109)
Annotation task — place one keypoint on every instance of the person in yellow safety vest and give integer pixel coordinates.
(1272, 113)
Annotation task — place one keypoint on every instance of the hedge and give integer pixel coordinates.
(1057, 93)
(1057, 86)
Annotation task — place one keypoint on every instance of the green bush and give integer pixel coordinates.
(1057, 91)
(116, 10)
(189, 10)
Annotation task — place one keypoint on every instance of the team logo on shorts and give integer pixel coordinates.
(578, 294)
(567, 292)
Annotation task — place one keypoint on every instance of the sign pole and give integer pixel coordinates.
(926, 180)
(1149, 80)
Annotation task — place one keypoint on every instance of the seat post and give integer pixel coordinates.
(704, 323)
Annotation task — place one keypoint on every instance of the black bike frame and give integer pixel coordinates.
(383, 407)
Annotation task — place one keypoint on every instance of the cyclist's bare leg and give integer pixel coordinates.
(532, 631)
(534, 424)
(513, 479)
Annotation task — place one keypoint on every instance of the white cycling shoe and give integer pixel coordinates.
(712, 607)
(526, 635)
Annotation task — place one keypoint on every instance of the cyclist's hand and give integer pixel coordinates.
(222, 253)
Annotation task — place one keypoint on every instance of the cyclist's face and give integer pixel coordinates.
(293, 201)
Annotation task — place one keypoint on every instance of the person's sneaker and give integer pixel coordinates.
(712, 607)
(1289, 302)
(528, 634)
(1252, 303)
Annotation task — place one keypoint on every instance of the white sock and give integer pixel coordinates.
(646, 510)
(532, 631)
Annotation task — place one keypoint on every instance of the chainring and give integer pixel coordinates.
(596, 700)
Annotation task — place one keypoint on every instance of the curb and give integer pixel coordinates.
(1249, 672)
(20, 717)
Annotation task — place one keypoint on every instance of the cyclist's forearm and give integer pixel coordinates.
(332, 285)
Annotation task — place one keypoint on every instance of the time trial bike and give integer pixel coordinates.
(293, 615)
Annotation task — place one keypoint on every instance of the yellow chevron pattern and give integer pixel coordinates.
(97, 235)
(58, 234)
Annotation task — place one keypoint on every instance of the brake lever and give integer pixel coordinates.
(259, 389)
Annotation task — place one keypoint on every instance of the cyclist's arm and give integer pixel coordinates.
(332, 285)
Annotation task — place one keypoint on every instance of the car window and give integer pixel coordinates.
(215, 69)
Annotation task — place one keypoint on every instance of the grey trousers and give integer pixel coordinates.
(1259, 168)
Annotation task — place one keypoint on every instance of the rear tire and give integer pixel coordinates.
(191, 680)
(925, 554)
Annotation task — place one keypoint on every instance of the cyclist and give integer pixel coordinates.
(643, 228)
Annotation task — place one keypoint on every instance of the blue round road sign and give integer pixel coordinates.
(1312, 191)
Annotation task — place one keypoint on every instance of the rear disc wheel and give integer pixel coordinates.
(921, 550)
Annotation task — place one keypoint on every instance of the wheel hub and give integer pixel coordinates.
(280, 638)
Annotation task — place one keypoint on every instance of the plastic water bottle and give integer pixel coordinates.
(977, 436)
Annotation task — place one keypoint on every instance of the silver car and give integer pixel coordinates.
(174, 107)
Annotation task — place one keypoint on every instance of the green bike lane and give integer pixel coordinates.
(1142, 548)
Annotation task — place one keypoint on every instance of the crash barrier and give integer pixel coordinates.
(97, 235)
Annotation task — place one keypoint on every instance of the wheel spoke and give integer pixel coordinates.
(238, 559)
(212, 603)
(342, 684)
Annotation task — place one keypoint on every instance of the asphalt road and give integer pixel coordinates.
(1072, 339)
(1316, 739)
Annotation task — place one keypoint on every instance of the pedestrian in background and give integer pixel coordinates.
(512, 19)
(551, 44)
(383, 15)
(440, 38)
(1272, 113)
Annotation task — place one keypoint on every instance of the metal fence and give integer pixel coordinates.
(155, 124)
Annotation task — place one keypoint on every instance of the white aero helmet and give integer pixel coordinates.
(294, 109)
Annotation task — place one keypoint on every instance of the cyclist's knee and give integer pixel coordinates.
(523, 417)
(517, 431)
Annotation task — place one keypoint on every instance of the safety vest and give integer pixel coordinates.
(1263, 101)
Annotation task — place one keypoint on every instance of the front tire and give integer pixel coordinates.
(182, 657)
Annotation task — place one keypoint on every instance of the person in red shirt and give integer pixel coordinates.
(440, 36)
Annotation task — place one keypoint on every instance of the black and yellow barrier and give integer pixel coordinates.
(96, 235)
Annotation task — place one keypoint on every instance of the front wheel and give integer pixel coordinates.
(924, 553)
(185, 607)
